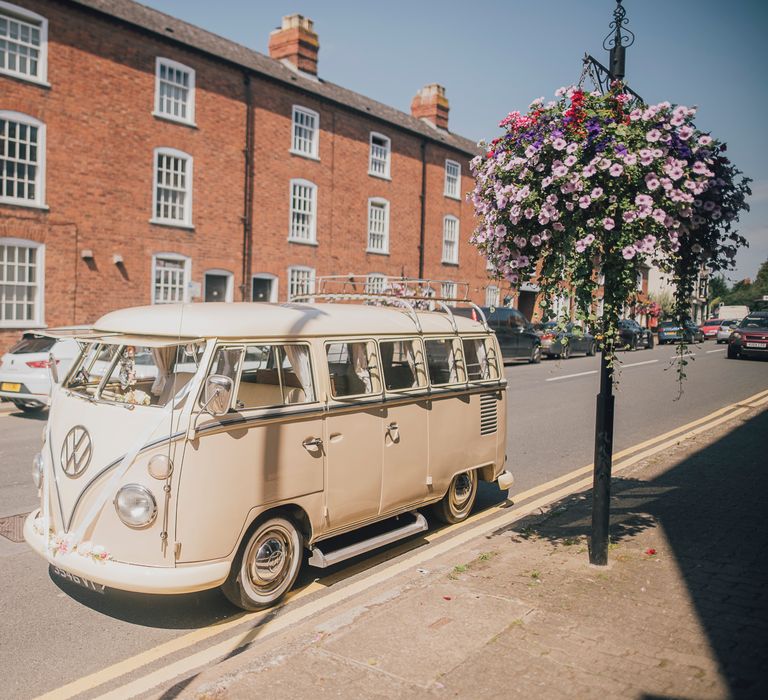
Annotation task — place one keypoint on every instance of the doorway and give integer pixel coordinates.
(217, 286)
(264, 288)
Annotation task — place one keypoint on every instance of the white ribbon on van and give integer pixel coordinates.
(125, 463)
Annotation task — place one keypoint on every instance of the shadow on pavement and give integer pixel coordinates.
(185, 611)
(711, 507)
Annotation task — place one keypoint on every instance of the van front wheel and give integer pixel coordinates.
(266, 566)
(459, 500)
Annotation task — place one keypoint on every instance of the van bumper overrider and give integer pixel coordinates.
(505, 480)
(129, 577)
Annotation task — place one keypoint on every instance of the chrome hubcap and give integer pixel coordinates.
(461, 494)
(269, 560)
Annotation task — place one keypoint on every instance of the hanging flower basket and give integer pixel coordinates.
(581, 192)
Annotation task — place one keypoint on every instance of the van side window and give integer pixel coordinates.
(402, 364)
(275, 375)
(443, 361)
(480, 358)
(352, 368)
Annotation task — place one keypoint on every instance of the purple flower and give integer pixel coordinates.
(596, 192)
(629, 216)
(589, 171)
(630, 159)
(616, 169)
(685, 132)
(643, 200)
(604, 164)
(581, 246)
(570, 161)
(559, 144)
(608, 223)
(529, 213)
(500, 231)
(589, 239)
(652, 181)
(705, 140)
(571, 148)
(628, 252)
(535, 240)
(585, 201)
(659, 215)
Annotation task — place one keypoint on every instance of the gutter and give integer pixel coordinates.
(248, 176)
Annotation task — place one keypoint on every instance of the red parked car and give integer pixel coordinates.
(710, 327)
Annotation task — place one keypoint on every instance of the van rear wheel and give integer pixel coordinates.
(266, 565)
(459, 500)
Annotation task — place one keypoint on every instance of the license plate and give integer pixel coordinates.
(79, 580)
(8, 386)
(762, 346)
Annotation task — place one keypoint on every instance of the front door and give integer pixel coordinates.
(216, 286)
(262, 289)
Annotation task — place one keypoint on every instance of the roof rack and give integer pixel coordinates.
(411, 294)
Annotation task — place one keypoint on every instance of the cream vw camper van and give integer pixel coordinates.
(203, 445)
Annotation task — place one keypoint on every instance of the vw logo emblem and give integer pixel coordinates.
(76, 451)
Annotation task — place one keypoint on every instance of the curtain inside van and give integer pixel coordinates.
(298, 356)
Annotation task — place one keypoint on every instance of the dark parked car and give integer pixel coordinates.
(633, 336)
(517, 338)
(552, 338)
(750, 337)
(673, 332)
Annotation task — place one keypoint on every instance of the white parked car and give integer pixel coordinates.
(25, 377)
(725, 330)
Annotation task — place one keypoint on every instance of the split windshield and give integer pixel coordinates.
(135, 375)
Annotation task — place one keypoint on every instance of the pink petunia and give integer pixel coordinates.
(616, 170)
(653, 135)
(585, 201)
(628, 252)
(559, 144)
(608, 223)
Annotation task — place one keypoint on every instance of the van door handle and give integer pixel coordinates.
(394, 432)
(312, 442)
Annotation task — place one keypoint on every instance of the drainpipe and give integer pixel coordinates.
(245, 287)
(422, 223)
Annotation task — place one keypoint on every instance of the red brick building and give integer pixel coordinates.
(145, 160)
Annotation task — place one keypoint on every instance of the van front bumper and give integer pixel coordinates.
(128, 577)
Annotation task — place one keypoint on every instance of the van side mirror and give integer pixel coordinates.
(218, 394)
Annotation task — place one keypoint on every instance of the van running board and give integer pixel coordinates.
(321, 560)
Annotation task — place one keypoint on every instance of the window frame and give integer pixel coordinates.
(446, 191)
(497, 294)
(26, 16)
(276, 406)
(453, 297)
(175, 65)
(422, 369)
(314, 152)
(175, 257)
(498, 363)
(375, 202)
(388, 160)
(458, 352)
(312, 240)
(446, 219)
(375, 276)
(186, 223)
(39, 320)
(377, 377)
(300, 268)
(39, 201)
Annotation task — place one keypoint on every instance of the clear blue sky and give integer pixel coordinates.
(495, 56)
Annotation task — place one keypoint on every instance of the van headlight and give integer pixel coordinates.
(135, 505)
(37, 470)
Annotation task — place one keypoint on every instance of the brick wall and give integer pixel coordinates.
(101, 135)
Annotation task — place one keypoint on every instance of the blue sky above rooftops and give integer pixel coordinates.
(495, 56)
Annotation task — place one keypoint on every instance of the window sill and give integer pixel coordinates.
(18, 325)
(452, 263)
(379, 176)
(26, 79)
(457, 197)
(301, 154)
(174, 120)
(370, 251)
(24, 204)
(301, 242)
(172, 224)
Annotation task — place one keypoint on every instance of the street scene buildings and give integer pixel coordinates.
(149, 161)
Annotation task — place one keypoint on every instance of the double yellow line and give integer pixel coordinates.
(441, 541)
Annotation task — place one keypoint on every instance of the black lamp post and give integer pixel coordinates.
(615, 43)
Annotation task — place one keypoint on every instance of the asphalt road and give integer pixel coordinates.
(53, 633)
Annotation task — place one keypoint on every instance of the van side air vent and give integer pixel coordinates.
(488, 416)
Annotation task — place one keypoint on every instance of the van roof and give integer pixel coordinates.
(259, 319)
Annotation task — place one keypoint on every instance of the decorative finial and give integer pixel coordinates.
(617, 40)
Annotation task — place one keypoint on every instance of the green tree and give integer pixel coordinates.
(749, 293)
(718, 288)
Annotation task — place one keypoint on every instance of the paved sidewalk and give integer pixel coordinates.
(680, 612)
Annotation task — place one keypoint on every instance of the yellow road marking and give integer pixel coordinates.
(492, 519)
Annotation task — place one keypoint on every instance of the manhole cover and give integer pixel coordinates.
(12, 527)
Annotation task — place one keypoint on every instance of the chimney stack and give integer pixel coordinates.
(431, 104)
(297, 42)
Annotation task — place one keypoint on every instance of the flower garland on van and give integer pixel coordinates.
(581, 192)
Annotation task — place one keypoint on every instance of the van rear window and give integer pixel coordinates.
(480, 359)
(442, 361)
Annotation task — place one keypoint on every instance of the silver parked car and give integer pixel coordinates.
(725, 330)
